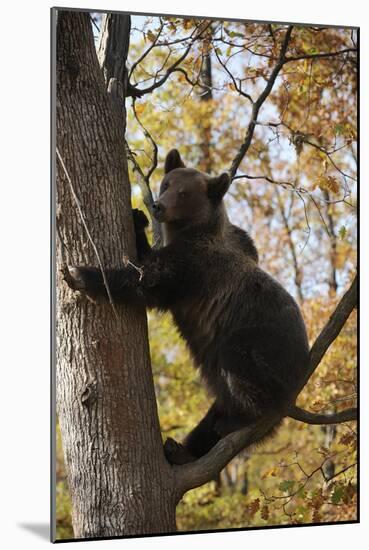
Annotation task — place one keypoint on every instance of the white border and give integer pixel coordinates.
(24, 275)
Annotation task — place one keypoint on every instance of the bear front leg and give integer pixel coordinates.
(154, 284)
(123, 283)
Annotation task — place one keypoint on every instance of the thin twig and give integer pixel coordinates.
(146, 52)
(237, 88)
(79, 208)
(154, 160)
(63, 246)
(174, 66)
(258, 103)
(342, 471)
(320, 55)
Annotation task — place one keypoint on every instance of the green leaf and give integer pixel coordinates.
(286, 486)
(337, 494)
(342, 232)
(234, 34)
(339, 129)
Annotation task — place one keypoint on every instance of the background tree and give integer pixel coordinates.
(280, 113)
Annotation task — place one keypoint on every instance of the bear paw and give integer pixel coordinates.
(83, 278)
(140, 220)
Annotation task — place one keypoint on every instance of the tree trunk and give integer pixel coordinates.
(119, 480)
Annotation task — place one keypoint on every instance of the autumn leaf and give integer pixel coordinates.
(272, 472)
(316, 517)
(139, 108)
(151, 36)
(265, 512)
(254, 506)
(347, 439)
(330, 183)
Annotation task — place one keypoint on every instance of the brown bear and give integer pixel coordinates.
(245, 332)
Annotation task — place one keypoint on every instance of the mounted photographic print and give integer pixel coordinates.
(204, 247)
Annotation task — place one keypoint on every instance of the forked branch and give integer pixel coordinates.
(333, 327)
(258, 103)
(206, 468)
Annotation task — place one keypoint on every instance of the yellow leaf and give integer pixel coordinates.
(270, 473)
(330, 183)
(140, 108)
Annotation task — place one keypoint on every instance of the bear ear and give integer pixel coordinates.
(218, 186)
(173, 161)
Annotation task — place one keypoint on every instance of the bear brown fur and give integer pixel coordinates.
(245, 332)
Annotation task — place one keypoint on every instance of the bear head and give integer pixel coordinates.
(188, 196)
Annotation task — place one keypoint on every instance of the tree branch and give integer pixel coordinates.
(173, 67)
(328, 154)
(258, 103)
(320, 418)
(291, 245)
(194, 474)
(113, 47)
(333, 327)
(284, 184)
(329, 333)
(320, 55)
(237, 88)
(146, 52)
(181, 70)
(145, 179)
(281, 61)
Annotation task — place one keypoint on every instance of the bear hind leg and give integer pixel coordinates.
(199, 441)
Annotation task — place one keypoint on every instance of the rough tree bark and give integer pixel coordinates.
(105, 395)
